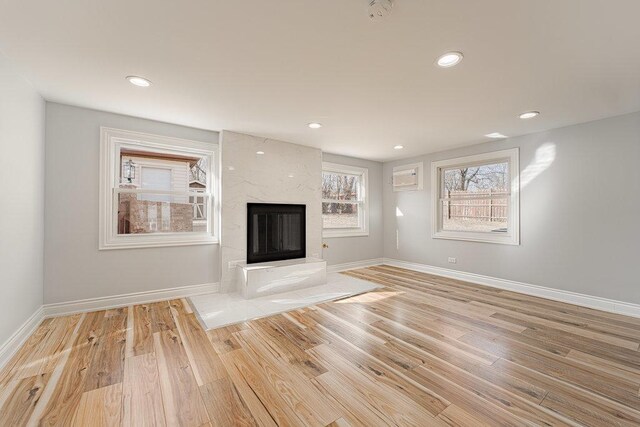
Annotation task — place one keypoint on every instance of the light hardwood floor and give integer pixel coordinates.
(422, 351)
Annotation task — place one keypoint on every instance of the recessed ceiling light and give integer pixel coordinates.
(290, 175)
(139, 81)
(449, 59)
(529, 114)
(496, 135)
(260, 152)
(315, 125)
(398, 147)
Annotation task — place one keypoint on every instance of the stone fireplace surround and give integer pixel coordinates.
(285, 173)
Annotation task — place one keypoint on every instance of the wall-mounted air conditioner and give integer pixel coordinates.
(408, 177)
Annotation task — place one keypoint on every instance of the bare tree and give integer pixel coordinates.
(197, 170)
(483, 177)
(339, 187)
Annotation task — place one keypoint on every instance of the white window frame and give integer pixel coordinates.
(112, 141)
(363, 205)
(512, 236)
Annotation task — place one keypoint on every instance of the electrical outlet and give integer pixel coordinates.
(453, 260)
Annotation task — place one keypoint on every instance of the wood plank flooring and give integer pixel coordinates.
(420, 351)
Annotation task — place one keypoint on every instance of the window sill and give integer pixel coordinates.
(332, 234)
(115, 245)
(478, 237)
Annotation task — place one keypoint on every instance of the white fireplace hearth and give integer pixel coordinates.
(268, 278)
(215, 310)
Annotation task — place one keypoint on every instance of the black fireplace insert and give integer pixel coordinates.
(275, 232)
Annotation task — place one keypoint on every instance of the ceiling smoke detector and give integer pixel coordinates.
(378, 9)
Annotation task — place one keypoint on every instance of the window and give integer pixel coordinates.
(156, 191)
(476, 198)
(345, 210)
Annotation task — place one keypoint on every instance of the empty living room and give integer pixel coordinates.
(320, 213)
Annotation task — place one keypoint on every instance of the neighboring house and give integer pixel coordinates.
(198, 182)
(153, 212)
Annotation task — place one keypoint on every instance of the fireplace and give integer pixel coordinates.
(275, 232)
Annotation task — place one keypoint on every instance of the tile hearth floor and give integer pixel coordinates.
(216, 310)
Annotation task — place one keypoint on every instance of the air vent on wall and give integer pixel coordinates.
(408, 177)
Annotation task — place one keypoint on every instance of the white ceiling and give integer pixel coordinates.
(270, 67)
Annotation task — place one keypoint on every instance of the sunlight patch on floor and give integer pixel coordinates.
(369, 297)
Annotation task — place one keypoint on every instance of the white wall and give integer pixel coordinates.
(74, 268)
(351, 249)
(580, 213)
(249, 177)
(21, 200)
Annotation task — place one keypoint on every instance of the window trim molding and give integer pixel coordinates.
(510, 238)
(363, 231)
(112, 139)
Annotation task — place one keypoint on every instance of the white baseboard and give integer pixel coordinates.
(102, 303)
(19, 337)
(15, 341)
(352, 265)
(583, 300)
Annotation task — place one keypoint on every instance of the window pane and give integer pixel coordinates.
(176, 172)
(336, 186)
(476, 179)
(156, 179)
(340, 215)
(198, 173)
(478, 215)
(475, 198)
(144, 214)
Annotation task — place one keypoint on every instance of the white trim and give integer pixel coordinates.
(20, 336)
(512, 237)
(9, 348)
(339, 232)
(363, 203)
(103, 303)
(111, 141)
(604, 304)
(336, 268)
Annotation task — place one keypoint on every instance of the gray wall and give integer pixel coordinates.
(349, 249)
(74, 268)
(22, 200)
(579, 208)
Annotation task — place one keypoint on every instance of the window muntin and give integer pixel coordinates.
(155, 191)
(344, 200)
(477, 197)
